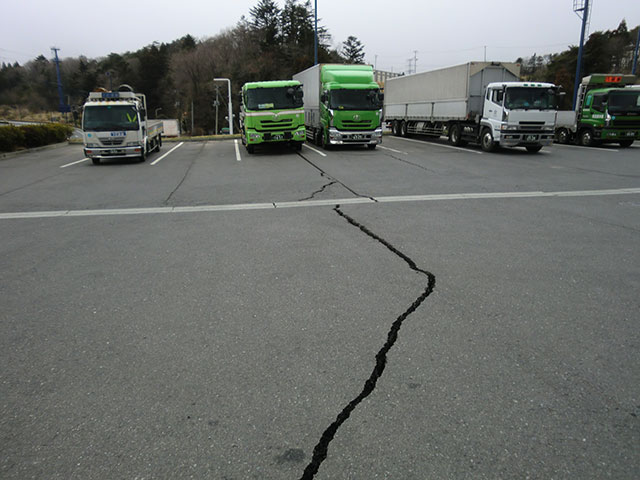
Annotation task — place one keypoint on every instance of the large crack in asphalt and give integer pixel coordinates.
(320, 451)
(184, 177)
(335, 180)
(317, 192)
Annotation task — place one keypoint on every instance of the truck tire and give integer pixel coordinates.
(143, 155)
(586, 138)
(372, 146)
(486, 141)
(403, 129)
(625, 143)
(159, 143)
(323, 139)
(95, 161)
(250, 148)
(562, 136)
(395, 128)
(455, 136)
(534, 149)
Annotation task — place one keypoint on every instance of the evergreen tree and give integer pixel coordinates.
(353, 50)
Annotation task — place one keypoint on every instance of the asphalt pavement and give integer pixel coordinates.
(419, 311)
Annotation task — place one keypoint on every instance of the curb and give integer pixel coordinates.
(8, 155)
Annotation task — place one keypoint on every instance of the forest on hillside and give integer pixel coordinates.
(271, 43)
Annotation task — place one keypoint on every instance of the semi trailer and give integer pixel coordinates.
(607, 111)
(271, 112)
(115, 124)
(478, 102)
(342, 105)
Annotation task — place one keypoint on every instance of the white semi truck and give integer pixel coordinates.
(479, 102)
(115, 124)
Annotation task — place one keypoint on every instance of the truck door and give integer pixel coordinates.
(492, 111)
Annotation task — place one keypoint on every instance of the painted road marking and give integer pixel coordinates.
(315, 150)
(392, 150)
(439, 145)
(238, 157)
(163, 156)
(315, 203)
(74, 163)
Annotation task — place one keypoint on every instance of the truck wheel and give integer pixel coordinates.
(586, 138)
(96, 161)
(323, 139)
(143, 155)
(455, 138)
(486, 141)
(395, 127)
(159, 143)
(625, 143)
(403, 129)
(562, 136)
(250, 148)
(534, 149)
(372, 146)
(297, 146)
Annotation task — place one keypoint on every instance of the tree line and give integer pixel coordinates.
(610, 51)
(271, 43)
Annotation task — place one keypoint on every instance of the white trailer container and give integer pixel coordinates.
(115, 124)
(480, 102)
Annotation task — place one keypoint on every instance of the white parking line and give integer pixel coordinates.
(317, 151)
(74, 163)
(238, 157)
(163, 156)
(392, 150)
(439, 145)
(315, 203)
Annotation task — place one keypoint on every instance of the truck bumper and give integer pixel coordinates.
(113, 152)
(524, 139)
(254, 138)
(615, 135)
(366, 137)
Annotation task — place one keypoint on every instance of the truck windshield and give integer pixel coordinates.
(110, 117)
(526, 98)
(624, 102)
(348, 99)
(275, 98)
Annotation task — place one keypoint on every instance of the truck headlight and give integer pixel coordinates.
(255, 136)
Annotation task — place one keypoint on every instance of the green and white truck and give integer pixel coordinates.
(342, 105)
(607, 111)
(271, 112)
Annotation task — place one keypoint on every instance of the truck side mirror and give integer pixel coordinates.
(381, 97)
(323, 98)
(143, 113)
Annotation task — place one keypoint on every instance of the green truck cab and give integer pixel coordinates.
(342, 104)
(271, 112)
(607, 111)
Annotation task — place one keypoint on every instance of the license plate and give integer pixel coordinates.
(631, 134)
(277, 137)
(357, 137)
(531, 138)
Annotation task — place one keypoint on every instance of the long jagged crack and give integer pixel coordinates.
(184, 177)
(325, 174)
(317, 192)
(321, 448)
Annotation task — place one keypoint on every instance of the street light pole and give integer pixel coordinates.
(585, 19)
(230, 109)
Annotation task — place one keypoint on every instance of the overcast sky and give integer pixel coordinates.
(441, 32)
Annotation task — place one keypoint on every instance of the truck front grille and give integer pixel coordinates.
(625, 123)
(356, 125)
(266, 125)
(112, 141)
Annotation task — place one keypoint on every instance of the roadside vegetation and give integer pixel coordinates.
(30, 136)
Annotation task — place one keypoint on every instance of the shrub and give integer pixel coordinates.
(31, 136)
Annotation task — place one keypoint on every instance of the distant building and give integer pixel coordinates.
(381, 76)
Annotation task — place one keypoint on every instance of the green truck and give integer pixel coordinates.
(607, 111)
(271, 112)
(342, 105)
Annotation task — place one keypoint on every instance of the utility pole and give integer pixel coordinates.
(62, 108)
(635, 54)
(415, 61)
(578, 6)
(315, 36)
